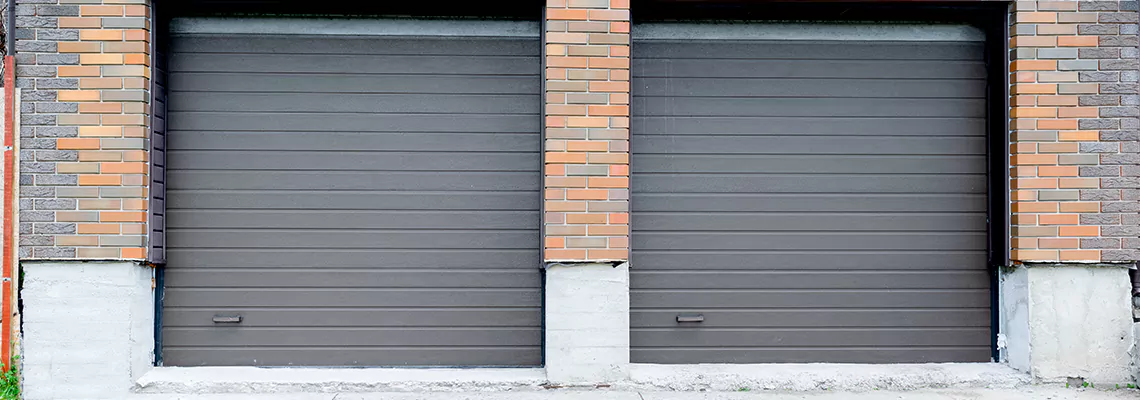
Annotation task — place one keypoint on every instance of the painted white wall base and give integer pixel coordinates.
(813, 377)
(204, 380)
(88, 328)
(1061, 321)
(587, 323)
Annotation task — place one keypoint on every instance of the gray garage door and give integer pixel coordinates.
(816, 193)
(356, 200)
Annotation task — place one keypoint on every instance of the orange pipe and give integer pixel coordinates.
(9, 190)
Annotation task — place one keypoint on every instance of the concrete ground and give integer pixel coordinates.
(1050, 392)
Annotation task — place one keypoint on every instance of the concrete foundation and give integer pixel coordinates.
(816, 377)
(88, 328)
(1068, 321)
(587, 323)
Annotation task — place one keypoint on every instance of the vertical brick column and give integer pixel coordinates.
(587, 130)
(1075, 179)
(83, 66)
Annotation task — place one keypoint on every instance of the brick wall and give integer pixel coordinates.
(1075, 180)
(83, 68)
(587, 130)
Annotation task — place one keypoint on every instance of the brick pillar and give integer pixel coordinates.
(84, 72)
(587, 130)
(1075, 180)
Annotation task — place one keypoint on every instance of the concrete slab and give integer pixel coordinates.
(809, 377)
(203, 380)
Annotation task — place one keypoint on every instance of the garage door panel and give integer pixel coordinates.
(807, 107)
(649, 143)
(296, 219)
(360, 45)
(242, 337)
(698, 68)
(804, 337)
(717, 279)
(353, 356)
(335, 103)
(831, 51)
(883, 318)
(810, 299)
(352, 180)
(810, 260)
(843, 88)
(355, 161)
(347, 123)
(814, 200)
(221, 82)
(740, 222)
(787, 354)
(792, 183)
(818, 164)
(806, 202)
(358, 200)
(387, 297)
(234, 277)
(837, 127)
(370, 259)
(356, 63)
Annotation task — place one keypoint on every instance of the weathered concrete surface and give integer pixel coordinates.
(200, 380)
(587, 323)
(810, 377)
(1080, 323)
(88, 328)
(1013, 341)
(1024, 393)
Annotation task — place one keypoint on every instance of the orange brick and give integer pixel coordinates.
(100, 83)
(101, 34)
(103, 11)
(1080, 207)
(1058, 100)
(1023, 219)
(1077, 41)
(559, 254)
(609, 254)
(609, 86)
(97, 229)
(1033, 41)
(1034, 255)
(587, 145)
(613, 182)
(100, 59)
(1033, 65)
(608, 230)
(565, 158)
(136, 11)
(554, 194)
(123, 168)
(100, 108)
(587, 194)
(619, 218)
(100, 180)
(1040, 183)
(1033, 159)
(565, 14)
(99, 155)
(1079, 183)
(77, 144)
(609, 110)
(134, 229)
(555, 169)
(609, 63)
(79, 47)
(78, 95)
(1023, 195)
(1059, 219)
(1058, 147)
(1058, 243)
(619, 170)
(100, 131)
(1033, 207)
(619, 4)
(122, 216)
(1057, 171)
(1023, 147)
(585, 218)
(1057, 124)
(609, 15)
(1080, 255)
(1033, 112)
(136, 35)
(1078, 112)
(80, 22)
(1024, 243)
(566, 182)
(134, 253)
(619, 27)
(555, 242)
(566, 206)
(587, 122)
(1036, 17)
(1079, 136)
(136, 59)
(76, 71)
(1081, 231)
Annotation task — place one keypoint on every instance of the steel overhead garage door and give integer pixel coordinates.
(816, 192)
(356, 200)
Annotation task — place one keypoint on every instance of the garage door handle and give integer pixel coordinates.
(227, 319)
(691, 318)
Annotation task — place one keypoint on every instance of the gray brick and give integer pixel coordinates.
(28, 131)
(1118, 112)
(1098, 5)
(57, 83)
(1128, 135)
(1098, 100)
(59, 108)
(1130, 170)
(1127, 29)
(1058, 195)
(1098, 29)
(1130, 219)
(37, 192)
(25, 34)
(58, 131)
(28, 180)
(1099, 76)
(1118, 17)
(37, 167)
(1120, 207)
(1130, 76)
(27, 108)
(1023, 29)
(36, 216)
(26, 58)
(1100, 219)
(1098, 124)
(70, 34)
(1130, 243)
(124, 95)
(1119, 41)
(46, 144)
(37, 119)
(25, 252)
(1118, 231)
(54, 228)
(26, 204)
(1120, 183)
(1112, 65)
(1130, 147)
(1078, 65)
(1059, 54)
(122, 241)
(1099, 147)
(1120, 159)
(56, 204)
(38, 95)
(579, 170)
(57, 11)
(36, 46)
(1100, 195)
(1119, 88)
(26, 83)
(78, 192)
(25, 228)
(36, 240)
(36, 22)
(124, 22)
(35, 71)
(57, 180)
(1112, 171)
(1078, 159)
(57, 155)
(1098, 53)
(1025, 53)
(1100, 243)
(53, 252)
(58, 59)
